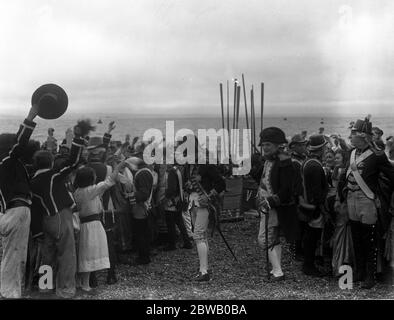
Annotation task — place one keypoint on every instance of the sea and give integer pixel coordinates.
(137, 125)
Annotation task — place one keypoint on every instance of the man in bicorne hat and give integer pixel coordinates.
(361, 186)
(275, 197)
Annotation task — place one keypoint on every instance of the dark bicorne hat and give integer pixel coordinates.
(363, 126)
(52, 101)
(316, 142)
(297, 139)
(273, 135)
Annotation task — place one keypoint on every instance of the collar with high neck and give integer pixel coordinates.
(40, 171)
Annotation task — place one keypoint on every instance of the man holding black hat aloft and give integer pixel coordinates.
(275, 198)
(15, 203)
(311, 203)
(361, 186)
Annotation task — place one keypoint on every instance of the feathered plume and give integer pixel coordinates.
(85, 127)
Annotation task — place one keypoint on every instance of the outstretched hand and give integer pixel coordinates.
(111, 126)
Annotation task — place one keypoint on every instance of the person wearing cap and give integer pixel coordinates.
(15, 204)
(313, 199)
(97, 154)
(275, 197)
(51, 143)
(298, 147)
(361, 192)
(141, 203)
(55, 203)
(172, 205)
(377, 134)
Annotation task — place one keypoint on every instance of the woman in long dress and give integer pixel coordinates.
(93, 247)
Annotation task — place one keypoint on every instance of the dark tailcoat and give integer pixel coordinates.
(283, 179)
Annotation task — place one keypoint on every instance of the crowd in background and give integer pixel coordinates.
(87, 199)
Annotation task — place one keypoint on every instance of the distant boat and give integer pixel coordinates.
(99, 121)
(285, 119)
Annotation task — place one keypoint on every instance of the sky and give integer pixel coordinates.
(169, 56)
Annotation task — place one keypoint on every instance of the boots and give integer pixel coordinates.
(359, 263)
(312, 236)
(370, 252)
(93, 280)
(111, 276)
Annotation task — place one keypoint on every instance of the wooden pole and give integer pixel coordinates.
(222, 107)
(234, 116)
(221, 104)
(252, 117)
(235, 103)
(228, 115)
(262, 110)
(246, 106)
(238, 100)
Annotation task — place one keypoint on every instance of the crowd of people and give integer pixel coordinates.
(75, 206)
(328, 197)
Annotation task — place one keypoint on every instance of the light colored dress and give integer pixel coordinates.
(93, 247)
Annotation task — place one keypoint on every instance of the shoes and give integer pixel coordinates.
(279, 278)
(140, 261)
(202, 277)
(111, 279)
(312, 271)
(368, 283)
(93, 280)
(90, 291)
(187, 245)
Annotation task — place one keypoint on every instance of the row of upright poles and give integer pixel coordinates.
(236, 107)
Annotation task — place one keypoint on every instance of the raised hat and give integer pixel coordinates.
(52, 101)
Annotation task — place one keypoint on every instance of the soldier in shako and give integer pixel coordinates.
(361, 188)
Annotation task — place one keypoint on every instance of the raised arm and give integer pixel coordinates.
(99, 188)
(23, 135)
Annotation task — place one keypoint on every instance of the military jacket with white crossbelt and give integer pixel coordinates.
(370, 167)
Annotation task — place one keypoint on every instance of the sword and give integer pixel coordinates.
(212, 207)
